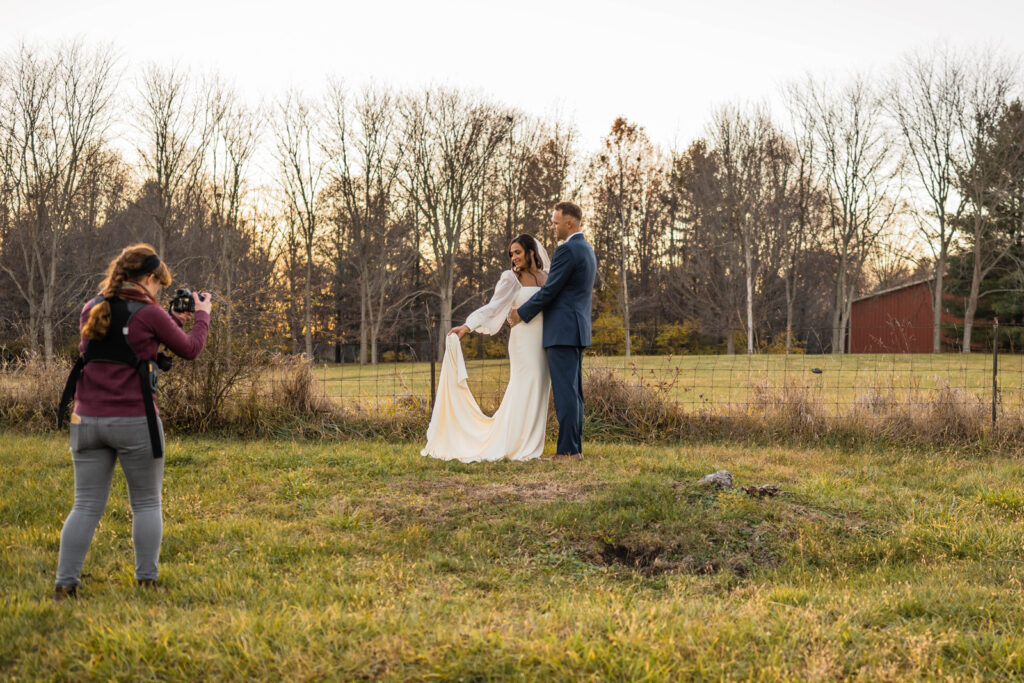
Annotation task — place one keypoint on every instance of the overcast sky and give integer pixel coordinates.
(665, 65)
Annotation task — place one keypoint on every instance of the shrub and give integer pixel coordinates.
(777, 345)
(678, 339)
(393, 356)
(608, 335)
(493, 346)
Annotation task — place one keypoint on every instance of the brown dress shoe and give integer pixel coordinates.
(62, 593)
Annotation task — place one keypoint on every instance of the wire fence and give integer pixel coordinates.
(884, 368)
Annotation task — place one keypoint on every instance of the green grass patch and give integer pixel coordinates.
(361, 559)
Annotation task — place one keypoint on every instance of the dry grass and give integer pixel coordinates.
(30, 392)
(212, 396)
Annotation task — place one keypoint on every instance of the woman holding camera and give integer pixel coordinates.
(109, 421)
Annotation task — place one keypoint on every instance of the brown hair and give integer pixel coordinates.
(128, 266)
(529, 245)
(570, 209)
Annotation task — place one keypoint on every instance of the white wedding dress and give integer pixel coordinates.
(458, 429)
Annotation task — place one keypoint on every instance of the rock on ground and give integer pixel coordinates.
(722, 478)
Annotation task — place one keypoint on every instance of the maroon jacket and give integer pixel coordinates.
(112, 389)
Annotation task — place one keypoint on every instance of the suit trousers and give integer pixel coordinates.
(565, 363)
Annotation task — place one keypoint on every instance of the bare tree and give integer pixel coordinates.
(705, 283)
(451, 138)
(744, 143)
(861, 177)
(55, 110)
(513, 168)
(979, 170)
(549, 178)
(233, 142)
(627, 179)
(927, 100)
(301, 180)
(366, 157)
(798, 225)
(176, 121)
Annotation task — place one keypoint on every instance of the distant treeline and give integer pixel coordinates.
(385, 216)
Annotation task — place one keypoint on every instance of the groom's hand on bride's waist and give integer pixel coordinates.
(513, 317)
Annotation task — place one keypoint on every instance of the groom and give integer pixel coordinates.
(565, 300)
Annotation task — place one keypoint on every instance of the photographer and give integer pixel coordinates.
(122, 329)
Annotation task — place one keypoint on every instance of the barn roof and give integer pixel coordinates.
(897, 288)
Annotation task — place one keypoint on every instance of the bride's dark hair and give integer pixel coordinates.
(529, 246)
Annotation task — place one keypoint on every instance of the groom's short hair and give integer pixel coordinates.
(570, 209)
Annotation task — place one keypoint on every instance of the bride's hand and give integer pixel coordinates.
(461, 330)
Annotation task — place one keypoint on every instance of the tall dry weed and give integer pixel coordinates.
(615, 406)
(790, 407)
(256, 395)
(30, 391)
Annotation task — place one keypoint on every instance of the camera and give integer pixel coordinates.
(182, 301)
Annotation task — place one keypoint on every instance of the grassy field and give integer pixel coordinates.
(720, 381)
(363, 560)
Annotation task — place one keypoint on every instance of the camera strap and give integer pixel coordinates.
(114, 348)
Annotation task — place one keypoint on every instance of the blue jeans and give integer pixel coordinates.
(96, 444)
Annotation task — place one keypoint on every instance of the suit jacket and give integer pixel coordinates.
(565, 298)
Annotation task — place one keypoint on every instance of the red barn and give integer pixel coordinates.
(895, 320)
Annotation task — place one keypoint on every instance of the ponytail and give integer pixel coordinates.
(127, 264)
(99, 321)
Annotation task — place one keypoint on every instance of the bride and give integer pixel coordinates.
(458, 429)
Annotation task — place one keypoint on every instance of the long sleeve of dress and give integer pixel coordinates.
(490, 317)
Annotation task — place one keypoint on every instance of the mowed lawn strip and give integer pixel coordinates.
(363, 559)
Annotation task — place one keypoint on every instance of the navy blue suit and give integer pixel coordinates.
(565, 301)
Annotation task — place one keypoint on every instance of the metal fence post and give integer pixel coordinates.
(995, 369)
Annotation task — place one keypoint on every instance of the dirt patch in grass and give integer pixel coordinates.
(453, 499)
(652, 560)
(516, 492)
(705, 532)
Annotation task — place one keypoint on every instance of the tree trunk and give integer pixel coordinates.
(33, 329)
(750, 305)
(940, 269)
(446, 324)
(446, 317)
(789, 315)
(625, 300)
(49, 305)
(845, 323)
(228, 320)
(309, 302)
(972, 300)
(838, 338)
(364, 306)
(48, 340)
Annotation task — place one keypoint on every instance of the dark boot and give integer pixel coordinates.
(147, 583)
(62, 593)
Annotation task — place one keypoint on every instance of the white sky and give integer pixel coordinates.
(664, 65)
